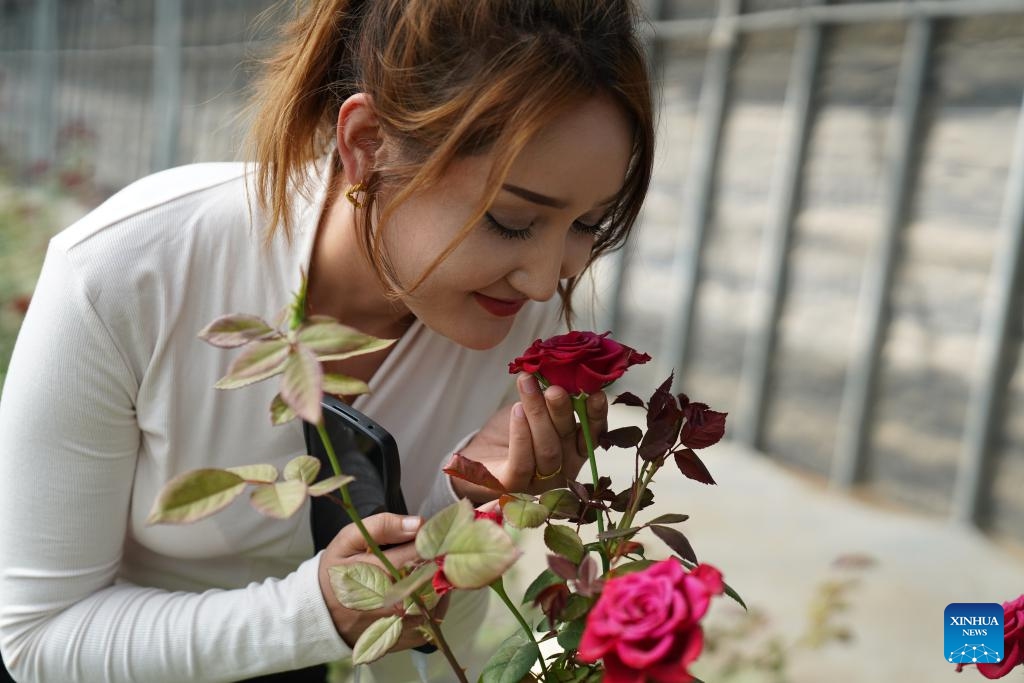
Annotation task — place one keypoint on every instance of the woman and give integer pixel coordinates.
(444, 171)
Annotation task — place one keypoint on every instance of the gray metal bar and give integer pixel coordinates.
(167, 82)
(42, 115)
(850, 462)
(1002, 306)
(770, 288)
(700, 180)
(863, 12)
(619, 262)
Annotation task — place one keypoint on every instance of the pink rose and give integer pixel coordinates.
(579, 362)
(1013, 641)
(645, 626)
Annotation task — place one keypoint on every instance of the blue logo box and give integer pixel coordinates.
(974, 633)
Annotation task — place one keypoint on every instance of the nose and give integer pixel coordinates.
(549, 262)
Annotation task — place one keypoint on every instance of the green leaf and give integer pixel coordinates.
(564, 541)
(280, 412)
(512, 661)
(577, 607)
(302, 385)
(342, 385)
(262, 359)
(631, 567)
(670, 518)
(408, 585)
(618, 533)
(280, 500)
(376, 640)
(545, 579)
(562, 502)
(262, 474)
(478, 554)
(359, 585)
(327, 337)
(435, 535)
(570, 636)
(325, 486)
(524, 514)
(234, 330)
(194, 495)
(303, 468)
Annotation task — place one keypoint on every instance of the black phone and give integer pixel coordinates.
(366, 451)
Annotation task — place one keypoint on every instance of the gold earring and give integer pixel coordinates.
(351, 194)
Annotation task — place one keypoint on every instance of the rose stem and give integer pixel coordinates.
(498, 586)
(350, 510)
(579, 405)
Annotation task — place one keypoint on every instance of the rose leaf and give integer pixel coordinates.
(302, 468)
(280, 412)
(262, 359)
(230, 331)
(524, 514)
(623, 437)
(692, 467)
(359, 585)
(563, 541)
(194, 495)
(377, 639)
(302, 385)
(675, 540)
(408, 585)
(477, 554)
(626, 398)
(256, 474)
(280, 500)
(330, 484)
(435, 535)
(474, 472)
(511, 662)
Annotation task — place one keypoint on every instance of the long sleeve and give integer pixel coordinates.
(69, 442)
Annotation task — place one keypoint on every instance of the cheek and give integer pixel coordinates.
(577, 252)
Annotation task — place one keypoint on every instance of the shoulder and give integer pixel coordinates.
(171, 197)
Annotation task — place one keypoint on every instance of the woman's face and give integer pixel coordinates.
(538, 230)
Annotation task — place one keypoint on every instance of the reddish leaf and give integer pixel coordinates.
(692, 467)
(580, 490)
(552, 601)
(587, 582)
(676, 541)
(234, 330)
(704, 427)
(474, 472)
(562, 567)
(628, 399)
(623, 437)
(302, 385)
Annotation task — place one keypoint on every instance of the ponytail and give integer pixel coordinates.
(297, 100)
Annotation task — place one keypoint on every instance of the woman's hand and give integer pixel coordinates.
(349, 546)
(534, 445)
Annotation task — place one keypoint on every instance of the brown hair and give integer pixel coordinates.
(448, 78)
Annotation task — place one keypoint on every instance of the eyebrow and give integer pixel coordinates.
(544, 200)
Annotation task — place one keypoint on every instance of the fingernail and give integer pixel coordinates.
(518, 411)
(529, 384)
(410, 523)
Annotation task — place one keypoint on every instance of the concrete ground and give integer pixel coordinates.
(776, 536)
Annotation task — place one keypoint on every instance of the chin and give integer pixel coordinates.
(478, 337)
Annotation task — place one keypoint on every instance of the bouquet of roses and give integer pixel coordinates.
(617, 615)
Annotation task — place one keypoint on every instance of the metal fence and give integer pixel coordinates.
(831, 250)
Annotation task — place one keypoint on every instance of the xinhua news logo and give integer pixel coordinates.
(974, 633)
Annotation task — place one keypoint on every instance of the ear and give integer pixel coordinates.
(358, 137)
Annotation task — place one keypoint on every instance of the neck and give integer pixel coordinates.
(342, 283)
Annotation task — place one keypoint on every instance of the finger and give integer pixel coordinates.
(520, 450)
(562, 416)
(385, 528)
(547, 443)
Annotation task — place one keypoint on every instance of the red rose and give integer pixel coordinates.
(579, 362)
(1013, 641)
(646, 626)
(440, 582)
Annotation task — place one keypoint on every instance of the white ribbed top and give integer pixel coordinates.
(109, 395)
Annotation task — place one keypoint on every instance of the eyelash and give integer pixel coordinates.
(525, 233)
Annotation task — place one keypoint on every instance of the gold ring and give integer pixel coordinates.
(541, 477)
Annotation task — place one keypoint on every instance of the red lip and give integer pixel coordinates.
(498, 307)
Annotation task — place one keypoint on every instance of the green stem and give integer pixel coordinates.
(498, 586)
(579, 405)
(371, 543)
